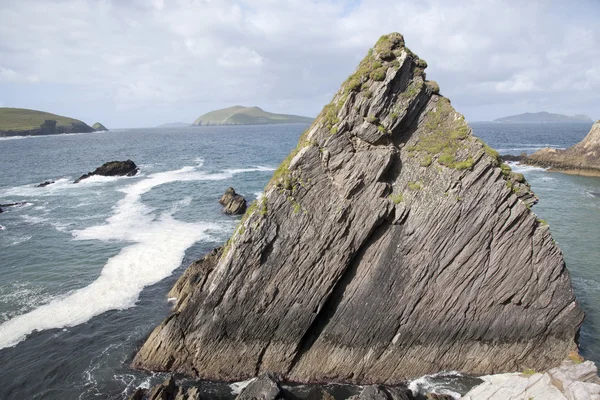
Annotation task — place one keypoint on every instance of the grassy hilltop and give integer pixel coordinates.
(240, 115)
(20, 121)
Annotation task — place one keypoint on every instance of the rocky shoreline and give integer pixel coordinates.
(580, 159)
(574, 379)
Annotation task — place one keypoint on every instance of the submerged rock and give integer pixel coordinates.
(581, 159)
(387, 246)
(377, 392)
(232, 202)
(113, 168)
(168, 390)
(266, 387)
(21, 203)
(44, 184)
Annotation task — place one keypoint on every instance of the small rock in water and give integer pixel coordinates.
(113, 168)
(44, 184)
(233, 202)
(266, 387)
(378, 392)
(21, 203)
(168, 390)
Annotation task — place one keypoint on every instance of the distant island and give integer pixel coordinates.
(544, 118)
(174, 125)
(98, 127)
(240, 115)
(24, 122)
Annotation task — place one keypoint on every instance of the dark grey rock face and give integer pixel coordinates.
(390, 244)
(112, 168)
(232, 202)
(266, 387)
(168, 390)
(377, 392)
(44, 184)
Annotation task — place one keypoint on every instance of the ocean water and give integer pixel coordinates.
(85, 269)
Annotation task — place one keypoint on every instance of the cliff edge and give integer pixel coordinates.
(388, 245)
(24, 122)
(581, 159)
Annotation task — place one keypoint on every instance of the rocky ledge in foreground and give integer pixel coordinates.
(232, 202)
(390, 244)
(112, 168)
(571, 381)
(268, 387)
(581, 159)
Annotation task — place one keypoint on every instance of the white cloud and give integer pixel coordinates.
(8, 74)
(240, 57)
(518, 84)
(291, 56)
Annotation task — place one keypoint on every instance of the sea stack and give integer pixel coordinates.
(388, 245)
(98, 127)
(112, 168)
(581, 159)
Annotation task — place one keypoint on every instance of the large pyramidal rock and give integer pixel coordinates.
(387, 245)
(581, 159)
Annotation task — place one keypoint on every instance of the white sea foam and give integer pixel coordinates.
(18, 240)
(159, 245)
(258, 168)
(181, 204)
(522, 168)
(2, 228)
(430, 384)
(30, 189)
(33, 220)
(259, 195)
(237, 387)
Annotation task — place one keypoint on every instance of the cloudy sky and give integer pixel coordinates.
(145, 62)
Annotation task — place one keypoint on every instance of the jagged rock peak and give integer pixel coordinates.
(388, 245)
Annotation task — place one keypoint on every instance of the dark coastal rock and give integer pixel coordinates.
(388, 245)
(113, 168)
(168, 390)
(44, 184)
(581, 159)
(266, 387)
(232, 202)
(194, 278)
(377, 392)
(21, 203)
(510, 157)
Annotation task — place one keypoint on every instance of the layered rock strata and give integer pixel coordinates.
(388, 245)
(581, 159)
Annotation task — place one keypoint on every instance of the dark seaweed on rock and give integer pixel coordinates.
(390, 244)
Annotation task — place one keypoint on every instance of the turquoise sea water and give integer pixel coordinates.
(85, 269)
